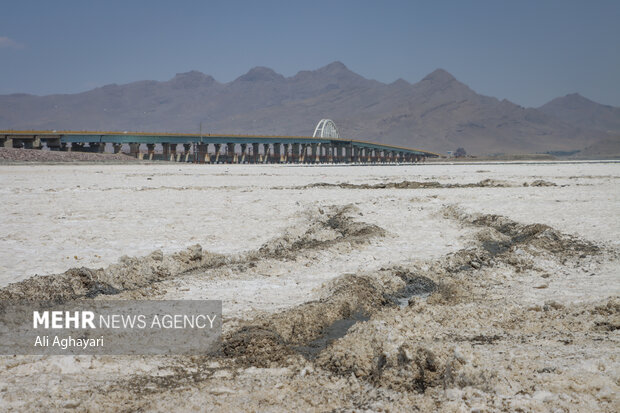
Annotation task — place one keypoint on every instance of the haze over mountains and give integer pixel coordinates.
(438, 113)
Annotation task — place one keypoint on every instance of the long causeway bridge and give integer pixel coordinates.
(324, 147)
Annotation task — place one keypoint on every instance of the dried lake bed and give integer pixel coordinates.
(491, 286)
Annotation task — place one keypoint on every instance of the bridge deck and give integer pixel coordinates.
(88, 137)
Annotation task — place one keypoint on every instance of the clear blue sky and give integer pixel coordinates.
(526, 51)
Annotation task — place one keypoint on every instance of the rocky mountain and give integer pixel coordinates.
(576, 110)
(439, 113)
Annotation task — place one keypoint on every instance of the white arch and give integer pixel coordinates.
(326, 128)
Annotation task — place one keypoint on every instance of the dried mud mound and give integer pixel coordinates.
(325, 228)
(428, 347)
(451, 347)
(128, 274)
(430, 343)
(500, 234)
(485, 183)
(285, 336)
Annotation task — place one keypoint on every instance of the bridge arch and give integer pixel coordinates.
(326, 128)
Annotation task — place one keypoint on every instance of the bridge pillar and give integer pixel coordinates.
(97, 147)
(244, 147)
(167, 151)
(8, 142)
(171, 152)
(52, 142)
(314, 154)
(150, 147)
(295, 154)
(276, 152)
(134, 149)
(230, 153)
(118, 146)
(186, 149)
(255, 152)
(300, 152)
(266, 152)
(202, 153)
(288, 155)
(349, 154)
(217, 146)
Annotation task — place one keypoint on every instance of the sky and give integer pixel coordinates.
(528, 52)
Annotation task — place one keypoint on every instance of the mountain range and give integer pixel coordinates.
(438, 113)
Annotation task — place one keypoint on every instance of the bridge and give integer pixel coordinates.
(325, 146)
